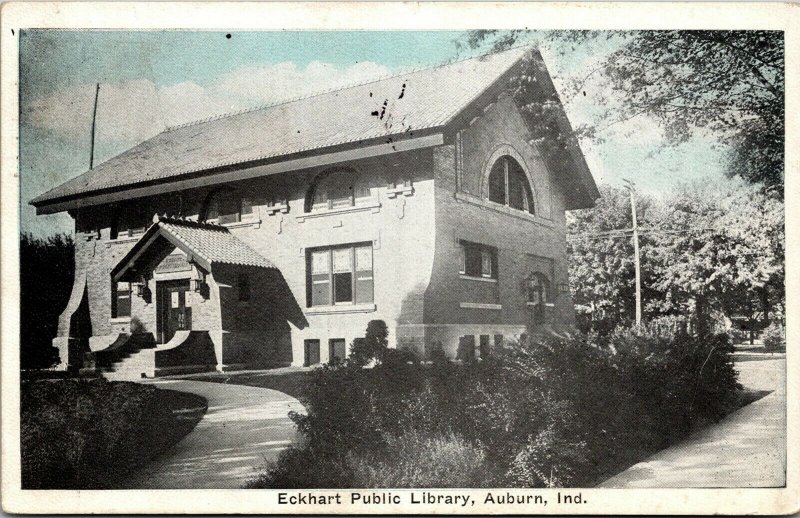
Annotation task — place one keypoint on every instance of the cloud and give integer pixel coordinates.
(256, 85)
(133, 111)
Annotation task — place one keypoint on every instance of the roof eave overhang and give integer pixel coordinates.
(382, 146)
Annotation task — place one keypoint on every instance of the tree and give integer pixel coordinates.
(727, 83)
(601, 260)
(718, 248)
(47, 268)
(705, 249)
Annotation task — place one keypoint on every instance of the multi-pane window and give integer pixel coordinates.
(538, 294)
(130, 221)
(224, 207)
(121, 300)
(340, 275)
(339, 189)
(508, 185)
(478, 260)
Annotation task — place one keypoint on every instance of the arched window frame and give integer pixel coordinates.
(500, 153)
(361, 193)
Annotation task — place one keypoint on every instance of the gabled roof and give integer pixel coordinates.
(414, 102)
(204, 243)
(400, 109)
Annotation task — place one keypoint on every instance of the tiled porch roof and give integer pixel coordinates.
(207, 244)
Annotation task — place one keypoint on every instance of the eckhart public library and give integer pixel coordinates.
(271, 237)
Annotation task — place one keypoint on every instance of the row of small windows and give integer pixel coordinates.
(333, 189)
(337, 351)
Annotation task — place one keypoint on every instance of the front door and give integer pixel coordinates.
(173, 312)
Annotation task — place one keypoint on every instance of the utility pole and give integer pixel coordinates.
(631, 189)
(94, 120)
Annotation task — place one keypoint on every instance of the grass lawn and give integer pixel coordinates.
(89, 434)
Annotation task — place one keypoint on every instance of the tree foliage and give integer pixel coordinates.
(729, 84)
(602, 259)
(47, 266)
(704, 249)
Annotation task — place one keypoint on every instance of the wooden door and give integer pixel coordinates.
(173, 311)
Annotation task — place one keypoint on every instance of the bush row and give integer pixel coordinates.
(552, 412)
(86, 434)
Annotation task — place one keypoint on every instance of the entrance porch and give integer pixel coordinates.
(192, 297)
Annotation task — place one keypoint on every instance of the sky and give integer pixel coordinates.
(150, 80)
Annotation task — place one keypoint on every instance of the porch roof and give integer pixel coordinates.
(203, 243)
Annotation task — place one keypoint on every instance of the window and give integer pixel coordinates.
(340, 275)
(498, 342)
(121, 300)
(478, 260)
(538, 288)
(338, 189)
(508, 185)
(130, 221)
(337, 350)
(226, 206)
(466, 348)
(243, 284)
(484, 347)
(311, 350)
(538, 292)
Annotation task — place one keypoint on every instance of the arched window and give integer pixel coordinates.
(538, 287)
(338, 188)
(508, 185)
(227, 206)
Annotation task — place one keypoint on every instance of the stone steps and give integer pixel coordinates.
(131, 367)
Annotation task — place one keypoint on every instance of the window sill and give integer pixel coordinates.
(478, 305)
(330, 310)
(282, 208)
(119, 320)
(473, 278)
(374, 206)
(398, 191)
(122, 240)
(503, 209)
(255, 223)
(546, 304)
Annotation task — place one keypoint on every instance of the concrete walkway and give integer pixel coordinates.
(243, 428)
(746, 449)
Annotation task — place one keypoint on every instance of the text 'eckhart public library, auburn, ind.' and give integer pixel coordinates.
(273, 236)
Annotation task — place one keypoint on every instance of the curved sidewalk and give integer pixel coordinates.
(243, 428)
(746, 449)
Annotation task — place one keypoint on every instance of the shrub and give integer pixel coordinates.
(545, 412)
(772, 336)
(372, 346)
(416, 459)
(79, 434)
